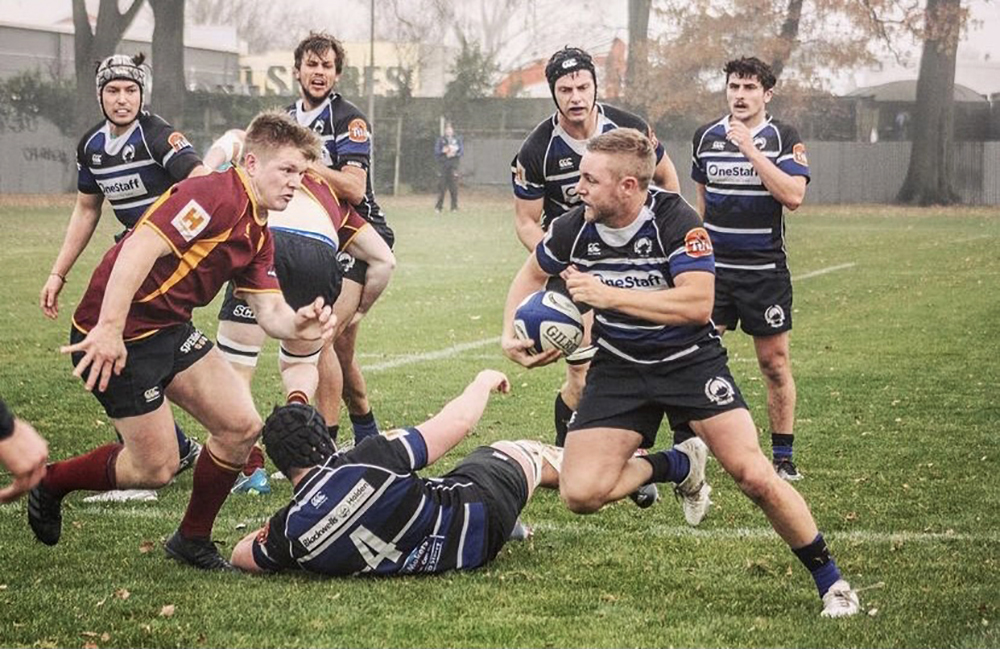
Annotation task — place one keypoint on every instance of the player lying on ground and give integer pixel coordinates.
(367, 511)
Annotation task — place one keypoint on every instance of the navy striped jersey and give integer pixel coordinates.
(746, 223)
(665, 240)
(548, 163)
(133, 169)
(366, 511)
(347, 140)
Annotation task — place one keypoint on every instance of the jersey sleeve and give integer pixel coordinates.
(792, 158)
(170, 148)
(350, 224)
(689, 247)
(553, 251)
(527, 170)
(271, 549)
(353, 141)
(697, 170)
(85, 181)
(401, 450)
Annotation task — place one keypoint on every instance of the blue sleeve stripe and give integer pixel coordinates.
(683, 264)
(415, 445)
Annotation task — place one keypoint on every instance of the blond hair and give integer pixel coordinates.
(634, 153)
(273, 129)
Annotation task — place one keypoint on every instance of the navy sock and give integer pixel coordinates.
(563, 414)
(364, 426)
(817, 560)
(781, 445)
(668, 466)
(333, 430)
(183, 443)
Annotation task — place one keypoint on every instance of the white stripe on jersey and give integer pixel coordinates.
(125, 206)
(413, 519)
(342, 526)
(621, 261)
(719, 228)
(737, 192)
(122, 167)
(771, 266)
(620, 354)
(631, 327)
(461, 540)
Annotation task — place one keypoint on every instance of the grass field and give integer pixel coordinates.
(895, 356)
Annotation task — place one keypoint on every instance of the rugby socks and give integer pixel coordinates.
(670, 465)
(93, 471)
(781, 446)
(255, 461)
(563, 414)
(183, 443)
(334, 430)
(297, 396)
(364, 426)
(817, 560)
(213, 478)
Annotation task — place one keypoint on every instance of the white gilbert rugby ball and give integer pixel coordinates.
(551, 320)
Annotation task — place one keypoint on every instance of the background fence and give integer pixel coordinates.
(39, 159)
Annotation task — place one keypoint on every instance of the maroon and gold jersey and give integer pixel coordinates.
(346, 220)
(215, 233)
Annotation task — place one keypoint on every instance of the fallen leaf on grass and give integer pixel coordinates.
(167, 611)
(146, 547)
(122, 593)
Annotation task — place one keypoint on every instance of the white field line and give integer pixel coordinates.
(822, 271)
(430, 356)
(409, 359)
(151, 510)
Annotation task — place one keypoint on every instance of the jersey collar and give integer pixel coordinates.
(248, 187)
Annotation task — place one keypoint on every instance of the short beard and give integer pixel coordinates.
(309, 97)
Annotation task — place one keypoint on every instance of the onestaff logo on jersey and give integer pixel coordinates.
(177, 141)
(733, 173)
(697, 243)
(122, 187)
(357, 130)
(191, 220)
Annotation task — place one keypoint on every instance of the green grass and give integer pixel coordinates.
(897, 368)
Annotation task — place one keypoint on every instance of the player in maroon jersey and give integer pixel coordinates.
(133, 339)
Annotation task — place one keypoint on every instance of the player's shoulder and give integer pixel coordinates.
(716, 126)
(212, 191)
(343, 109)
(784, 129)
(539, 138)
(671, 207)
(571, 220)
(623, 118)
(89, 136)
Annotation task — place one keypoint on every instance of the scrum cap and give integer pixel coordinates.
(566, 61)
(122, 67)
(296, 436)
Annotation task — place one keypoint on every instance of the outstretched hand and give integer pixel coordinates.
(103, 352)
(497, 381)
(315, 321)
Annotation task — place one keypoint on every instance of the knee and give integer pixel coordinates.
(579, 499)
(756, 480)
(775, 368)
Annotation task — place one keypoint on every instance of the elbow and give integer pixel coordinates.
(793, 204)
(701, 314)
(355, 194)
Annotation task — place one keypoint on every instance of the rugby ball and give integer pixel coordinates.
(551, 320)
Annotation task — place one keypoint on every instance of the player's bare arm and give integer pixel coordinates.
(788, 190)
(665, 175)
(23, 453)
(700, 199)
(689, 302)
(82, 223)
(528, 222)
(349, 182)
(445, 430)
(314, 321)
(368, 246)
(104, 348)
(529, 279)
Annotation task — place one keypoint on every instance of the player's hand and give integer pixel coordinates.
(48, 300)
(495, 380)
(315, 321)
(104, 353)
(739, 134)
(519, 351)
(24, 454)
(586, 288)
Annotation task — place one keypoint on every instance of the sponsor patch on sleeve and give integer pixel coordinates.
(799, 154)
(177, 141)
(191, 220)
(357, 130)
(697, 243)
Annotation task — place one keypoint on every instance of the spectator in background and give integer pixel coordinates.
(448, 151)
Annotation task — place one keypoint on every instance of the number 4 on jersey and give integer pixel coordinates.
(372, 548)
